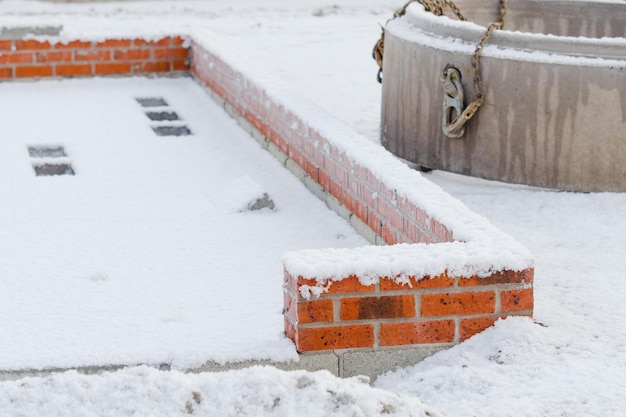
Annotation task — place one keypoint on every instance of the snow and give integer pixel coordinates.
(148, 254)
(258, 391)
(425, 28)
(569, 361)
(370, 263)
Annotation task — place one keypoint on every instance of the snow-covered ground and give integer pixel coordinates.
(147, 254)
(569, 361)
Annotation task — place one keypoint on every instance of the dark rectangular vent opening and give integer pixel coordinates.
(151, 102)
(171, 130)
(46, 151)
(159, 116)
(42, 170)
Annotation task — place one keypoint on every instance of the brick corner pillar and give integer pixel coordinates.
(412, 312)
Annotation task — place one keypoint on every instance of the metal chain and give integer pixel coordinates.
(438, 8)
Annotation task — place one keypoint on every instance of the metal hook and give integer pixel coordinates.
(452, 102)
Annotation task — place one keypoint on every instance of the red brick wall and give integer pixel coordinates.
(41, 59)
(435, 311)
(394, 219)
(429, 311)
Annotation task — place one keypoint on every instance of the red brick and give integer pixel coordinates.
(32, 45)
(307, 146)
(170, 53)
(161, 42)
(93, 55)
(458, 303)
(114, 43)
(335, 337)
(413, 233)
(324, 180)
(318, 154)
(415, 333)
(341, 175)
(141, 67)
(16, 58)
(312, 171)
(366, 195)
(348, 285)
(6, 73)
(177, 41)
(43, 71)
(336, 190)
(113, 68)
(360, 210)
(348, 200)
(388, 193)
(302, 281)
(441, 233)
(296, 156)
(6, 45)
(354, 185)
(396, 219)
(374, 223)
(54, 56)
(280, 141)
(289, 280)
(346, 161)
(315, 311)
(516, 300)
(291, 332)
(387, 307)
(384, 209)
(73, 45)
(500, 277)
(290, 305)
(440, 281)
(180, 66)
(73, 70)
(131, 54)
(389, 235)
(470, 327)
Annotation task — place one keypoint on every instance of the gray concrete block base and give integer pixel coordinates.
(341, 363)
(370, 364)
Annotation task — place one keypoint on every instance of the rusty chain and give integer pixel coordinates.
(438, 8)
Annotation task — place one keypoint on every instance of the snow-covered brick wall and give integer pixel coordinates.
(415, 311)
(448, 273)
(44, 57)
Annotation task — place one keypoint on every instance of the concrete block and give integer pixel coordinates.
(244, 123)
(312, 363)
(373, 364)
(309, 362)
(363, 229)
(39, 373)
(336, 206)
(315, 188)
(295, 169)
(259, 137)
(379, 241)
(24, 31)
(277, 153)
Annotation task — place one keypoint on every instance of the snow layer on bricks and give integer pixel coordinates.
(448, 273)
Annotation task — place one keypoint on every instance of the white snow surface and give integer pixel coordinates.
(569, 361)
(370, 263)
(253, 392)
(532, 47)
(147, 254)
